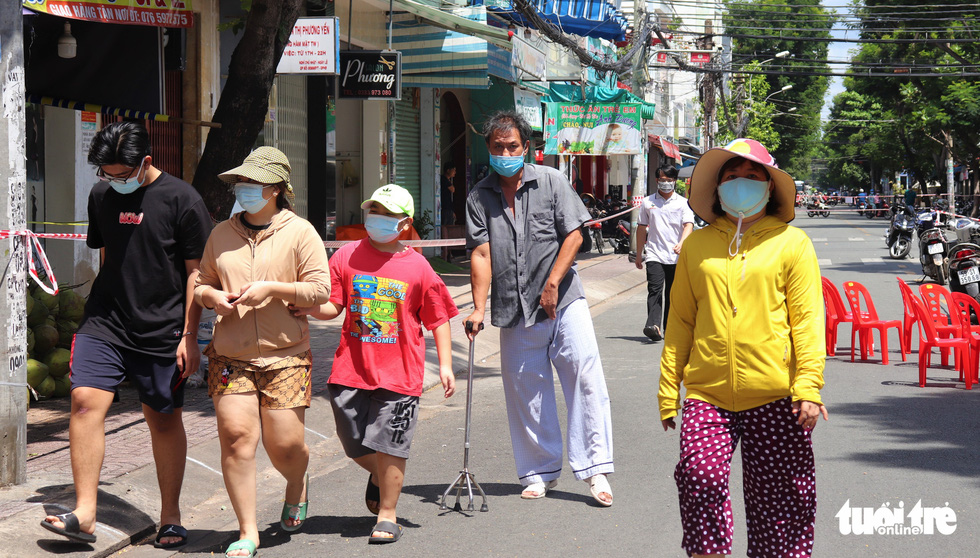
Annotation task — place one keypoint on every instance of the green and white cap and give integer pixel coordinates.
(393, 197)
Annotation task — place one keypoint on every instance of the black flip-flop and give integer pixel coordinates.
(372, 494)
(386, 527)
(171, 530)
(71, 529)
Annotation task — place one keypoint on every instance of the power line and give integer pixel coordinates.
(828, 39)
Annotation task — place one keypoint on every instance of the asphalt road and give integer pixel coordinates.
(889, 444)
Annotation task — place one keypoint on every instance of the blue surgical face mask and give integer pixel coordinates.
(382, 228)
(742, 197)
(506, 166)
(131, 184)
(249, 196)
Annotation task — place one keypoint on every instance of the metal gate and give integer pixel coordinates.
(286, 130)
(408, 143)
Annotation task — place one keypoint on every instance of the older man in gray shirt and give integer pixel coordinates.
(524, 229)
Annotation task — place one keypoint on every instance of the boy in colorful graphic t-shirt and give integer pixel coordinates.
(390, 292)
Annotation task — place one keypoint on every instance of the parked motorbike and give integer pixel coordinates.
(964, 269)
(900, 230)
(595, 229)
(933, 246)
(621, 240)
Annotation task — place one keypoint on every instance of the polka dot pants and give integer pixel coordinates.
(777, 473)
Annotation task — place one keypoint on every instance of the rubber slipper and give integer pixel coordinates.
(171, 530)
(537, 490)
(71, 529)
(372, 494)
(393, 529)
(598, 484)
(296, 512)
(244, 544)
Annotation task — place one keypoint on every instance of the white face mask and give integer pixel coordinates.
(666, 186)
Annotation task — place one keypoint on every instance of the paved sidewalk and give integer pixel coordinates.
(129, 499)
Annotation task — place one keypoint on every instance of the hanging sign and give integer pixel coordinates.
(312, 47)
(370, 74)
(592, 129)
(159, 13)
(528, 105)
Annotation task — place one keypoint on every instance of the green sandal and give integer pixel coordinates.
(296, 512)
(244, 544)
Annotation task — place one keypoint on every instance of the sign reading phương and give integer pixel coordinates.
(158, 13)
(312, 47)
(370, 74)
(592, 129)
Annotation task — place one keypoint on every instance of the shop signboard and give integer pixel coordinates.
(592, 129)
(371, 74)
(312, 47)
(159, 13)
(528, 105)
(530, 61)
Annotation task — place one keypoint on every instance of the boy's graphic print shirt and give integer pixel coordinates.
(374, 308)
(387, 299)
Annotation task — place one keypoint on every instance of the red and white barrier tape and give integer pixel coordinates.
(31, 239)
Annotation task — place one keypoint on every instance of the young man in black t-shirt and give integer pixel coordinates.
(140, 321)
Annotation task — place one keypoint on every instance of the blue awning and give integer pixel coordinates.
(587, 18)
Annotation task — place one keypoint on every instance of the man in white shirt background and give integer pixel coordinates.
(665, 221)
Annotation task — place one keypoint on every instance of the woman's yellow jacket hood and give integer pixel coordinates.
(744, 330)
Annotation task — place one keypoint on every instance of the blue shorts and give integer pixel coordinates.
(98, 364)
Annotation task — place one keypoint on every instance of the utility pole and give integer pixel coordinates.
(13, 216)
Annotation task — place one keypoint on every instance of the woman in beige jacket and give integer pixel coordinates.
(255, 264)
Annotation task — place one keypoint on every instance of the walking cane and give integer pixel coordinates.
(466, 479)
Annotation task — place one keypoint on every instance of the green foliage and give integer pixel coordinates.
(798, 132)
(237, 24)
(905, 122)
(424, 224)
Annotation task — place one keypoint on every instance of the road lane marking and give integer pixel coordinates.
(873, 260)
(818, 240)
(856, 239)
(192, 460)
(308, 429)
(824, 263)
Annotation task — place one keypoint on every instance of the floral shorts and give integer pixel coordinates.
(284, 384)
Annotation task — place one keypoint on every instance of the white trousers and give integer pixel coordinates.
(527, 356)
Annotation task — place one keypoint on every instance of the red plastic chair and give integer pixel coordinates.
(965, 305)
(947, 321)
(836, 314)
(929, 338)
(867, 321)
(833, 318)
(908, 316)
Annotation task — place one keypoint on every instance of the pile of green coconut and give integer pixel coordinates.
(51, 321)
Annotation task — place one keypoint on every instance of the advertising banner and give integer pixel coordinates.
(159, 13)
(371, 74)
(312, 47)
(592, 129)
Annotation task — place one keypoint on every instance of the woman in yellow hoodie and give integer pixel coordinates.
(255, 264)
(745, 337)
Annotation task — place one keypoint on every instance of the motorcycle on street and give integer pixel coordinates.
(933, 246)
(816, 207)
(898, 239)
(964, 260)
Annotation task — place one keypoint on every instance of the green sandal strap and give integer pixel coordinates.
(244, 544)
